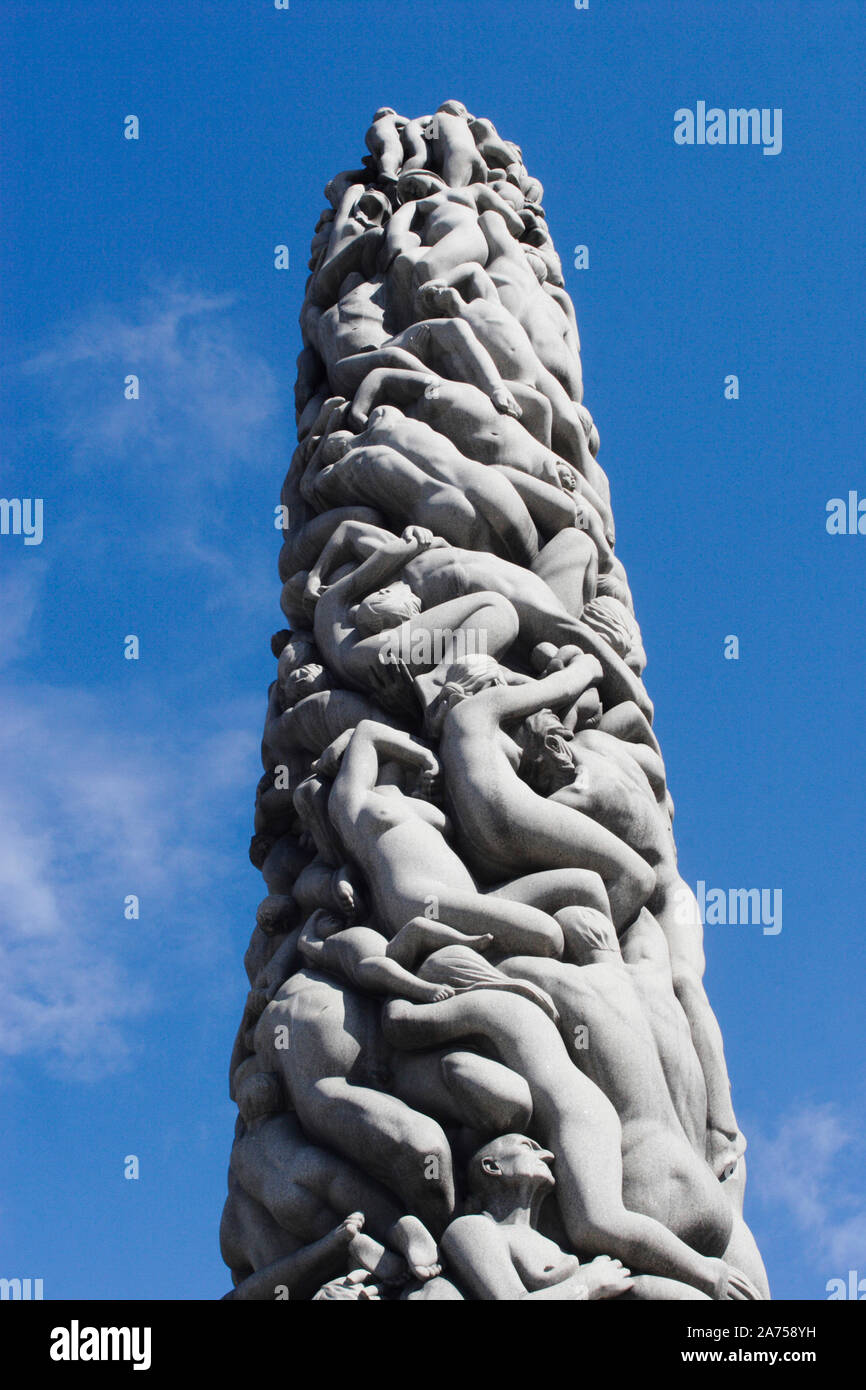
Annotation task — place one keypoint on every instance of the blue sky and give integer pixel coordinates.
(118, 777)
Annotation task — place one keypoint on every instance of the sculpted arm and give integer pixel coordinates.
(359, 769)
(374, 572)
(350, 543)
(399, 235)
(517, 701)
(489, 200)
(304, 542)
(390, 386)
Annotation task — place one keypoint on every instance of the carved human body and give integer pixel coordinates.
(460, 780)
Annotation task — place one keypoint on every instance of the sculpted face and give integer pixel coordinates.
(418, 183)
(306, 680)
(463, 679)
(515, 1158)
(548, 762)
(387, 608)
(372, 208)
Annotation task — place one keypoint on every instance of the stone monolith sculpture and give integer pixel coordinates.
(476, 1060)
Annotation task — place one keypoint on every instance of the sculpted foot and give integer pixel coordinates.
(352, 1226)
(384, 1264)
(427, 935)
(417, 1247)
(433, 993)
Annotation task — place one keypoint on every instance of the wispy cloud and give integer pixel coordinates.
(22, 593)
(812, 1167)
(191, 469)
(86, 822)
(102, 796)
(205, 394)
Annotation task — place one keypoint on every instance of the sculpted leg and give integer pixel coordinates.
(677, 912)
(463, 824)
(568, 564)
(401, 1147)
(464, 1088)
(301, 1273)
(577, 1123)
(507, 922)
(553, 889)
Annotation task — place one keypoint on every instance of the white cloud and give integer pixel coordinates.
(205, 396)
(101, 798)
(88, 819)
(810, 1167)
(21, 597)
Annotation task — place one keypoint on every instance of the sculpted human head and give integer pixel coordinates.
(387, 608)
(589, 428)
(507, 190)
(547, 762)
(506, 1165)
(418, 183)
(310, 801)
(454, 108)
(300, 650)
(590, 932)
(372, 208)
(463, 679)
(619, 628)
(293, 599)
(305, 680)
(258, 1093)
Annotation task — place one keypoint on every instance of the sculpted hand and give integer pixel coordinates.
(351, 1288)
(734, 1286)
(563, 657)
(605, 1278)
(427, 786)
(505, 403)
(418, 537)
